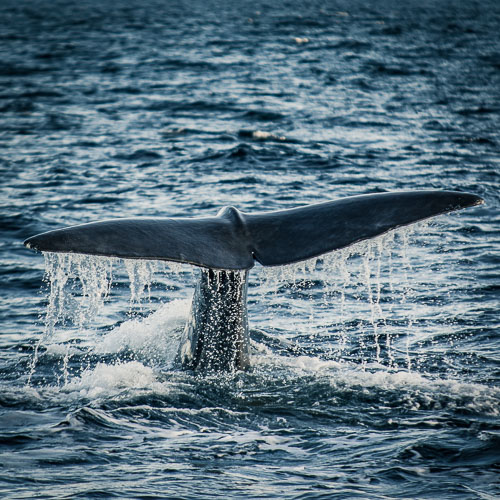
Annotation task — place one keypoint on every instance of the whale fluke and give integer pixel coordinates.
(213, 242)
(301, 233)
(225, 246)
(234, 240)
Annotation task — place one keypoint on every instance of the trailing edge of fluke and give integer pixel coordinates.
(234, 240)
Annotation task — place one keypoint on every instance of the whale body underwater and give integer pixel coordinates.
(228, 245)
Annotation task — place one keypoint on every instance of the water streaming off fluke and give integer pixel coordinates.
(348, 302)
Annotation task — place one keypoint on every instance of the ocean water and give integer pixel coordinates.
(374, 370)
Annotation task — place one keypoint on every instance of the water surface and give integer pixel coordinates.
(374, 374)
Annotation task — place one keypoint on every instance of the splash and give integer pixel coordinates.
(153, 338)
(79, 285)
(105, 380)
(340, 305)
(354, 286)
(396, 388)
(79, 289)
(63, 273)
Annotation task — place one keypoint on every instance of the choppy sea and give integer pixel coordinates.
(374, 371)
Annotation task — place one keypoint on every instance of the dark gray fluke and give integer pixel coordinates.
(234, 240)
(226, 246)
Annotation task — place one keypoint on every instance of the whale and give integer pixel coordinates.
(227, 246)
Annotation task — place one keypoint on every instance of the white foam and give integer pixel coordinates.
(108, 380)
(263, 135)
(155, 337)
(411, 390)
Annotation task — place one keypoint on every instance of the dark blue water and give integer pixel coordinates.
(374, 375)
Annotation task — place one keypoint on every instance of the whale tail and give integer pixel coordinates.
(234, 240)
(216, 335)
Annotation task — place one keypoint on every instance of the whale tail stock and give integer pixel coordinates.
(226, 246)
(234, 240)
